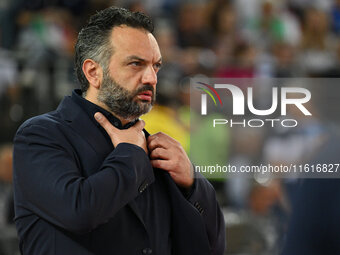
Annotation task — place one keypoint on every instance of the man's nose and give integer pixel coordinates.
(149, 76)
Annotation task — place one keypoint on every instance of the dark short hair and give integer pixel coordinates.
(94, 39)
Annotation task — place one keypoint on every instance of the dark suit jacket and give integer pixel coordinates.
(72, 196)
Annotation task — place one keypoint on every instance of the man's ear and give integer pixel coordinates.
(93, 73)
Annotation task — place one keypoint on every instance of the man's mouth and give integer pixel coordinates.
(145, 95)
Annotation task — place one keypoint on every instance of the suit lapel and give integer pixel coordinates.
(133, 206)
(80, 122)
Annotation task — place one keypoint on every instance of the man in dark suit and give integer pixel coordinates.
(88, 179)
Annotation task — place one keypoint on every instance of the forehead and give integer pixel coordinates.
(127, 41)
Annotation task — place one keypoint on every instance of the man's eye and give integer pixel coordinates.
(158, 66)
(135, 63)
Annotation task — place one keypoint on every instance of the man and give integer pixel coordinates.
(89, 180)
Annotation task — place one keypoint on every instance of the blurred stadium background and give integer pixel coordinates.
(216, 38)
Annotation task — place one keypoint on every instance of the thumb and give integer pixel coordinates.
(99, 117)
(102, 120)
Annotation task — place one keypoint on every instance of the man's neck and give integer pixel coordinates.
(94, 100)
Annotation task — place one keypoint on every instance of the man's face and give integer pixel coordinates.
(128, 87)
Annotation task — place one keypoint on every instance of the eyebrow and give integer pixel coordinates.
(134, 57)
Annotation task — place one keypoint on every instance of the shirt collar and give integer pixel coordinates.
(91, 108)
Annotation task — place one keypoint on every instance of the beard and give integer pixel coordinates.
(122, 102)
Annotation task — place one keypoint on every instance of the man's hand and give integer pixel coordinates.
(168, 154)
(133, 135)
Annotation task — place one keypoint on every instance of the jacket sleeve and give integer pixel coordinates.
(49, 183)
(203, 198)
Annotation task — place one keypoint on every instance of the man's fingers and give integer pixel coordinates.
(161, 164)
(102, 120)
(160, 153)
(161, 140)
(157, 136)
(156, 143)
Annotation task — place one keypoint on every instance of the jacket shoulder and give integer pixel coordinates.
(46, 120)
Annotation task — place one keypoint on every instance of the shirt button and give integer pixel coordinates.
(115, 123)
(147, 251)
